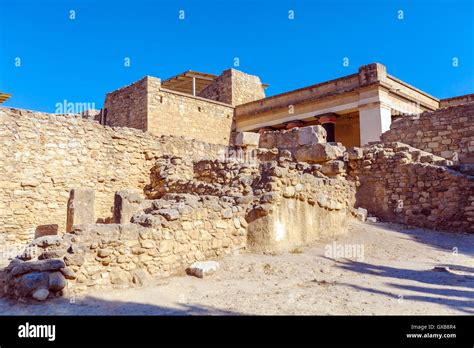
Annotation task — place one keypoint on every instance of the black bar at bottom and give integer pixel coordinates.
(419, 331)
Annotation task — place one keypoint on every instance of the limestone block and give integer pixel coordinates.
(80, 208)
(245, 139)
(355, 153)
(318, 153)
(169, 214)
(46, 230)
(361, 214)
(310, 135)
(46, 241)
(38, 266)
(126, 204)
(203, 269)
(333, 167)
(294, 138)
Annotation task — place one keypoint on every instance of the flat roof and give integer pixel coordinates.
(184, 82)
(4, 96)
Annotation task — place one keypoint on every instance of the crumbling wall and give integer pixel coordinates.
(286, 203)
(399, 183)
(234, 87)
(447, 132)
(164, 239)
(44, 156)
(297, 205)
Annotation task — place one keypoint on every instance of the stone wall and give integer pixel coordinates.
(458, 100)
(127, 106)
(44, 156)
(447, 132)
(399, 183)
(146, 105)
(271, 205)
(234, 87)
(286, 204)
(175, 113)
(165, 239)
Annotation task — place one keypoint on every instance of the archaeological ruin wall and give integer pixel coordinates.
(447, 132)
(44, 156)
(399, 183)
(147, 106)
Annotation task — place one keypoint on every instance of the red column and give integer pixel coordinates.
(294, 124)
(329, 124)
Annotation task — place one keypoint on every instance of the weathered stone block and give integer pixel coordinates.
(80, 208)
(46, 230)
(293, 138)
(38, 266)
(126, 204)
(310, 135)
(203, 269)
(57, 281)
(247, 139)
(333, 167)
(40, 294)
(319, 153)
(361, 214)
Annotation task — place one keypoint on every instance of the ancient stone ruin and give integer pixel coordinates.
(90, 206)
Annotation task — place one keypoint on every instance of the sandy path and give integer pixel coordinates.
(395, 276)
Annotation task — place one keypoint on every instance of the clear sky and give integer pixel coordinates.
(81, 59)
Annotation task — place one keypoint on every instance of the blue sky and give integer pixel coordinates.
(81, 60)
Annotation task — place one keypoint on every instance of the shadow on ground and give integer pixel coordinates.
(461, 298)
(463, 243)
(95, 306)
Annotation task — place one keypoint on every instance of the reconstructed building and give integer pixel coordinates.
(157, 200)
(354, 109)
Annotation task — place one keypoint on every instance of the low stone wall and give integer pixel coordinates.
(166, 234)
(297, 205)
(399, 183)
(286, 204)
(44, 156)
(164, 239)
(447, 132)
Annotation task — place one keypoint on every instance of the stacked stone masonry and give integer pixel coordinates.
(234, 87)
(399, 183)
(44, 156)
(448, 132)
(145, 105)
(169, 230)
(193, 201)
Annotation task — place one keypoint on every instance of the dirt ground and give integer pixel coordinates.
(395, 275)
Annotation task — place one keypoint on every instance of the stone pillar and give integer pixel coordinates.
(126, 204)
(80, 208)
(374, 119)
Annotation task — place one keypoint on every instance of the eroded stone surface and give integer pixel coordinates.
(203, 269)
